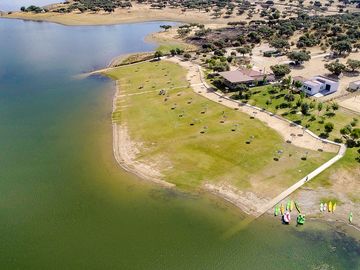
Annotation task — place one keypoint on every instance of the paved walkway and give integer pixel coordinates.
(304, 180)
(307, 140)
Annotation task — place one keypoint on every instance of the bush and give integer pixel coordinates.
(187, 56)
(329, 127)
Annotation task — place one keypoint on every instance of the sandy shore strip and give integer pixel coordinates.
(247, 201)
(144, 13)
(138, 13)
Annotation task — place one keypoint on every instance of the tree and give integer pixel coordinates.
(280, 43)
(173, 52)
(243, 50)
(158, 54)
(299, 56)
(187, 56)
(298, 84)
(335, 106)
(355, 133)
(329, 127)
(165, 27)
(341, 46)
(335, 67)
(280, 70)
(23, 8)
(352, 64)
(305, 108)
(183, 32)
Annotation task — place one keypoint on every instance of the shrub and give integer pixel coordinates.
(329, 127)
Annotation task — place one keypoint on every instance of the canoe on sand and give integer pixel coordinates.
(330, 206)
(292, 205)
(276, 211)
(282, 209)
(321, 207)
(287, 217)
(300, 219)
(288, 206)
(334, 208)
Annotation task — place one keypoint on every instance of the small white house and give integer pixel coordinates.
(320, 86)
(354, 85)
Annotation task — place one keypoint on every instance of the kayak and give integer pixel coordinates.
(325, 207)
(350, 217)
(334, 208)
(330, 206)
(291, 205)
(276, 211)
(297, 207)
(300, 219)
(288, 206)
(287, 217)
(321, 207)
(282, 209)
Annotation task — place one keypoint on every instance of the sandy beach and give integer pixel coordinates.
(138, 13)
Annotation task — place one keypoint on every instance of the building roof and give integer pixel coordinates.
(325, 78)
(356, 82)
(241, 75)
(312, 82)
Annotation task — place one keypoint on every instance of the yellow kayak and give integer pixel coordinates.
(292, 205)
(330, 207)
(282, 209)
(334, 207)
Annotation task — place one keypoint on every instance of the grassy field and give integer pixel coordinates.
(347, 167)
(192, 140)
(315, 120)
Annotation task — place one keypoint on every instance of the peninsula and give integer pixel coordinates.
(182, 117)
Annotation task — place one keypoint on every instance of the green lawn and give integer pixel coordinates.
(172, 139)
(348, 164)
(165, 48)
(341, 118)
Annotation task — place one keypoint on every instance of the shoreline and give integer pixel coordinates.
(79, 23)
(247, 202)
(126, 157)
(137, 14)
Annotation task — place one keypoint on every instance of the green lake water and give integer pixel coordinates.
(66, 204)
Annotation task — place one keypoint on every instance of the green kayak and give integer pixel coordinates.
(300, 219)
(288, 206)
(350, 217)
(277, 210)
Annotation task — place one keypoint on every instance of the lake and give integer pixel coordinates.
(66, 204)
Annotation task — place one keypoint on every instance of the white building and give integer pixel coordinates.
(354, 85)
(320, 86)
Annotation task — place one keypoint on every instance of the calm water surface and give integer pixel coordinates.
(64, 202)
